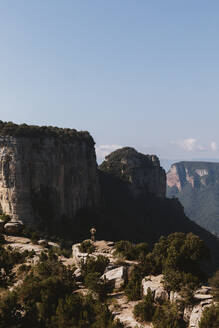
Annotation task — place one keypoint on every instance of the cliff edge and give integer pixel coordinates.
(46, 173)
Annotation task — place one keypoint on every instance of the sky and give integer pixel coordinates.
(133, 73)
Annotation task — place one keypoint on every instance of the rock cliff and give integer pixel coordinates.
(143, 173)
(196, 184)
(46, 173)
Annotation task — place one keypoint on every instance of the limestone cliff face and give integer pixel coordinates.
(142, 172)
(45, 176)
(196, 184)
(196, 174)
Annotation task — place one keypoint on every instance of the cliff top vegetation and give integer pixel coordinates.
(34, 131)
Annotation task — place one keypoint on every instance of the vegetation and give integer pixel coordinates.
(210, 317)
(131, 251)
(92, 269)
(4, 217)
(144, 311)
(34, 131)
(168, 316)
(47, 299)
(178, 257)
(92, 265)
(9, 258)
(86, 247)
(214, 282)
(133, 289)
(165, 315)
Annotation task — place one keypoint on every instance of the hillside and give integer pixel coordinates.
(196, 185)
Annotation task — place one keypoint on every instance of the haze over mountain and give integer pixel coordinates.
(196, 184)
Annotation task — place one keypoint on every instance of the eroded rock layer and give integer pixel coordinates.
(196, 184)
(46, 176)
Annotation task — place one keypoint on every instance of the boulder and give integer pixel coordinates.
(161, 294)
(156, 286)
(152, 282)
(13, 227)
(116, 276)
(43, 242)
(78, 255)
(203, 293)
(2, 223)
(52, 244)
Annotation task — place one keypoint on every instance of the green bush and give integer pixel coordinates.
(92, 265)
(144, 311)
(178, 257)
(210, 317)
(9, 258)
(214, 282)
(34, 131)
(168, 316)
(97, 285)
(133, 289)
(4, 217)
(76, 311)
(131, 251)
(86, 247)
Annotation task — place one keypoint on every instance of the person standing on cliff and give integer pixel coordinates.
(93, 232)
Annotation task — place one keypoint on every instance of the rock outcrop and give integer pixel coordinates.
(196, 184)
(143, 173)
(192, 314)
(196, 313)
(14, 227)
(46, 173)
(156, 286)
(117, 276)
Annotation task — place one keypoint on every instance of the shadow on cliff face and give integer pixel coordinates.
(123, 217)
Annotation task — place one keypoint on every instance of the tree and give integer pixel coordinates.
(214, 282)
(168, 316)
(210, 317)
(144, 311)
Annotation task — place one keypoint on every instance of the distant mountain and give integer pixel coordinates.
(196, 184)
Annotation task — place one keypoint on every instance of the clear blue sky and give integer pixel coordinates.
(143, 73)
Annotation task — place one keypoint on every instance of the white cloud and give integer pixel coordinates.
(103, 150)
(188, 144)
(213, 146)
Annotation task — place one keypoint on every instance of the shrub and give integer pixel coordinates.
(176, 280)
(97, 285)
(131, 251)
(86, 247)
(168, 315)
(144, 311)
(214, 282)
(76, 311)
(4, 217)
(210, 317)
(92, 265)
(133, 290)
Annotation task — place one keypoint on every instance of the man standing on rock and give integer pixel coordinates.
(93, 232)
